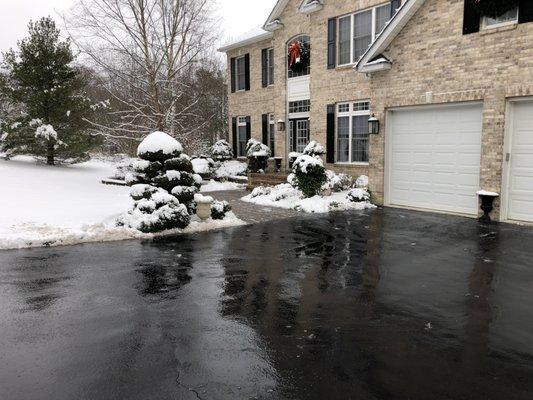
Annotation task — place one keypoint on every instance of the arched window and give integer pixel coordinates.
(299, 56)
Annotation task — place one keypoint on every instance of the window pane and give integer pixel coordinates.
(241, 74)
(242, 141)
(343, 139)
(360, 138)
(362, 33)
(344, 40)
(382, 17)
(509, 16)
(271, 66)
(271, 133)
(306, 71)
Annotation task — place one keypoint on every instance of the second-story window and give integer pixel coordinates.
(357, 31)
(240, 73)
(267, 56)
(299, 56)
(509, 17)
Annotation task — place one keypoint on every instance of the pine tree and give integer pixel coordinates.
(50, 91)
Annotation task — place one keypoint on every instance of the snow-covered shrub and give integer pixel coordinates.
(337, 182)
(260, 191)
(221, 151)
(362, 182)
(358, 195)
(309, 175)
(158, 146)
(231, 168)
(181, 163)
(219, 209)
(257, 154)
(314, 149)
(164, 185)
(203, 166)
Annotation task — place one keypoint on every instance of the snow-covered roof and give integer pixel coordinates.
(385, 38)
(306, 6)
(253, 36)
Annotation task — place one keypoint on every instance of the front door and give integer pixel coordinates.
(299, 134)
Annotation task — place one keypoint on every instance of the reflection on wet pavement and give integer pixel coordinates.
(384, 304)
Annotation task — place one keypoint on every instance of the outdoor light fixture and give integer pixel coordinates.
(373, 125)
(281, 125)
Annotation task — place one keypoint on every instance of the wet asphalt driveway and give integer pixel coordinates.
(386, 304)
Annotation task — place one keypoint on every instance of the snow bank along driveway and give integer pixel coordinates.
(42, 205)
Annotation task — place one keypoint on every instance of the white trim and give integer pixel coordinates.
(393, 28)
(241, 43)
(506, 165)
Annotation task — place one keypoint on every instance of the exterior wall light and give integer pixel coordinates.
(373, 125)
(281, 125)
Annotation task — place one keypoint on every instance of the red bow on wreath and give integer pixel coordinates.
(294, 53)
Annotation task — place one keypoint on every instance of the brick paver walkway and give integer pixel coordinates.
(250, 212)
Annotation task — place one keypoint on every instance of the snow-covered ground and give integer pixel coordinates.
(48, 206)
(285, 196)
(215, 186)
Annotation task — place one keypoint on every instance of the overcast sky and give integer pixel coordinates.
(237, 16)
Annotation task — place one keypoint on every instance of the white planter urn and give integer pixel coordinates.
(203, 206)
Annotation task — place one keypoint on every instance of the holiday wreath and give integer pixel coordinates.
(494, 8)
(299, 56)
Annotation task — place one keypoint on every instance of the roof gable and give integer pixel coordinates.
(305, 6)
(385, 38)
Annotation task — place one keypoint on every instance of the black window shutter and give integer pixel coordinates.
(264, 67)
(234, 136)
(472, 18)
(330, 134)
(232, 73)
(332, 43)
(247, 71)
(248, 129)
(525, 11)
(265, 129)
(394, 5)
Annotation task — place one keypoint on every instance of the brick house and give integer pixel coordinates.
(449, 86)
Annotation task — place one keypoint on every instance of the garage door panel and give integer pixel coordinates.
(520, 190)
(435, 154)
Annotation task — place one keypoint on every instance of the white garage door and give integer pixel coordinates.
(520, 192)
(434, 158)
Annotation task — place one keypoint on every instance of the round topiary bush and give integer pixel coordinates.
(158, 146)
(257, 154)
(221, 151)
(309, 175)
(219, 209)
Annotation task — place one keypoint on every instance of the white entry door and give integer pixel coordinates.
(520, 181)
(434, 157)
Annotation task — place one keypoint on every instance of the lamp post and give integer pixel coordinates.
(281, 125)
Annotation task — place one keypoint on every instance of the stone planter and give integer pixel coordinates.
(278, 161)
(203, 206)
(487, 204)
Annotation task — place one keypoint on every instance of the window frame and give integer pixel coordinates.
(241, 122)
(236, 73)
(484, 25)
(353, 111)
(352, 31)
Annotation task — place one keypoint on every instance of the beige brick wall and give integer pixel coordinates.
(430, 55)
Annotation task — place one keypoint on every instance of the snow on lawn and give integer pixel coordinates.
(231, 168)
(285, 196)
(47, 206)
(214, 186)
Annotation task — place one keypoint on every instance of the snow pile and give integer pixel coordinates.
(214, 186)
(231, 168)
(288, 197)
(68, 205)
(159, 143)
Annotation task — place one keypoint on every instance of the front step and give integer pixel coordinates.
(269, 179)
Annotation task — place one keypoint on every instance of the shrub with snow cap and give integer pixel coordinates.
(203, 166)
(358, 195)
(219, 209)
(231, 168)
(362, 182)
(158, 146)
(314, 149)
(337, 182)
(221, 151)
(309, 175)
(257, 154)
